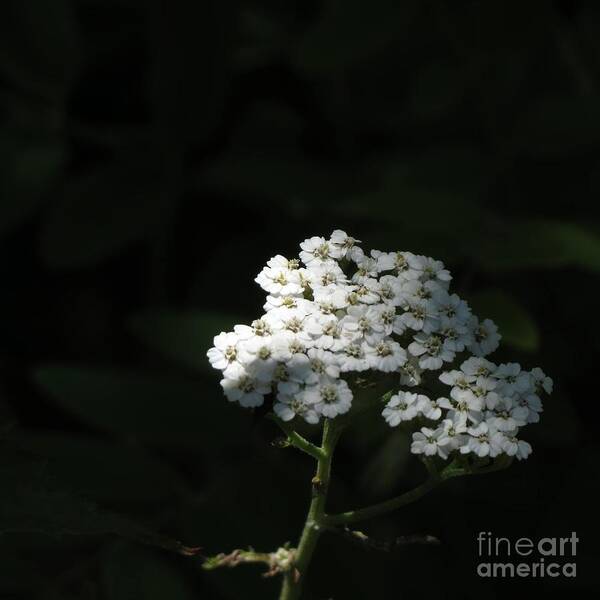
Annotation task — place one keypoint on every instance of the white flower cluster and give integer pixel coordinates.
(336, 311)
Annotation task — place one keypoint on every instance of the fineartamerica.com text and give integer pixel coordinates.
(525, 557)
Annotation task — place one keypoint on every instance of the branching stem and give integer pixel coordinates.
(382, 508)
(315, 520)
(318, 520)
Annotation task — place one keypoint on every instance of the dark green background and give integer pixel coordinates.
(154, 155)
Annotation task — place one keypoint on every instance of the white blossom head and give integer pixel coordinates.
(336, 316)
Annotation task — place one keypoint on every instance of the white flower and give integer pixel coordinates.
(434, 270)
(299, 370)
(420, 315)
(280, 277)
(288, 406)
(456, 336)
(346, 245)
(299, 306)
(225, 351)
(454, 315)
(464, 407)
(457, 379)
(259, 327)
(430, 442)
(256, 355)
(534, 407)
(541, 381)
(363, 323)
(281, 376)
(330, 299)
(317, 251)
(324, 363)
(240, 387)
(478, 441)
(390, 290)
(386, 356)
(366, 270)
(486, 336)
(353, 358)
(478, 366)
(410, 373)
(403, 406)
(324, 275)
(452, 307)
(430, 409)
(482, 389)
(313, 366)
(390, 321)
(507, 417)
(406, 265)
(347, 311)
(432, 351)
(507, 442)
(365, 292)
(329, 397)
(286, 344)
(454, 431)
(513, 379)
(327, 332)
(520, 449)
(288, 320)
(417, 290)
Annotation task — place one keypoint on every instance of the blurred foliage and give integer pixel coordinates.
(153, 155)
(517, 327)
(31, 503)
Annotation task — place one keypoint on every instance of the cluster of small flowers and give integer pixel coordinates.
(488, 404)
(337, 310)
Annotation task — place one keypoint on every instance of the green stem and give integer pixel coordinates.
(315, 520)
(362, 514)
(435, 478)
(296, 440)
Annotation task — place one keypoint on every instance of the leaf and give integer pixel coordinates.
(147, 407)
(131, 572)
(540, 244)
(277, 177)
(514, 323)
(7, 418)
(559, 126)
(28, 169)
(39, 45)
(190, 74)
(105, 471)
(30, 503)
(20, 574)
(439, 88)
(99, 214)
(269, 128)
(433, 187)
(266, 39)
(439, 189)
(350, 32)
(181, 337)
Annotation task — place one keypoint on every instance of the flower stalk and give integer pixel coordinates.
(316, 517)
(318, 520)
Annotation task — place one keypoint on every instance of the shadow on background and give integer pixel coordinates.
(155, 155)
